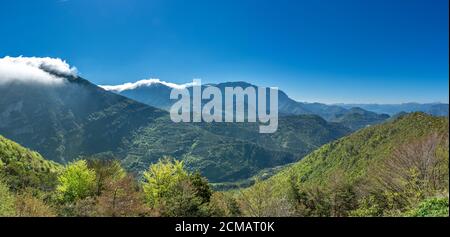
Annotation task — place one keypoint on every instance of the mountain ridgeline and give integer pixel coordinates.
(158, 95)
(64, 121)
(79, 119)
(436, 109)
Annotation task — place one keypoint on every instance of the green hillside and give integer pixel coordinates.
(299, 134)
(364, 163)
(355, 153)
(21, 167)
(227, 152)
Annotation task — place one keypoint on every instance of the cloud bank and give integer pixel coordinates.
(34, 70)
(143, 83)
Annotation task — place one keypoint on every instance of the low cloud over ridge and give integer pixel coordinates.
(34, 70)
(142, 83)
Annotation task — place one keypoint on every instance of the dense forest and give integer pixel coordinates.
(398, 168)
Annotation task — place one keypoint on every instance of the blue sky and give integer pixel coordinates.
(358, 51)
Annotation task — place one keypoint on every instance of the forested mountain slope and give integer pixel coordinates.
(21, 167)
(386, 169)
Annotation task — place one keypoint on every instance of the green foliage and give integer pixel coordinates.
(107, 172)
(354, 154)
(224, 204)
(107, 191)
(6, 201)
(368, 207)
(171, 191)
(260, 201)
(161, 180)
(201, 186)
(394, 169)
(434, 207)
(76, 182)
(22, 167)
(383, 170)
(183, 202)
(101, 187)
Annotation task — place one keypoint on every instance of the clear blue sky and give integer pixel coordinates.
(359, 51)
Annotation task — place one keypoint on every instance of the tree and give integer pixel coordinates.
(337, 197)
(171, 191)
(183, 201)
(341, 194)
(315, 201)
(106, 172)
(201, 186)
(416, 171)
(224, 205)
(76, 182)
(121, 198)
(161, 179)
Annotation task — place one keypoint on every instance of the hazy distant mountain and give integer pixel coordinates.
(437, 109)
(356, 118)
(157, 93)
(288, 106)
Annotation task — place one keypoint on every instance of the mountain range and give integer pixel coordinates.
(76, 118)
(436, 109)
(157, 94)
(64, 117)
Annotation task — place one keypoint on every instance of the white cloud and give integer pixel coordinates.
(34, 70)
(141, 83)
